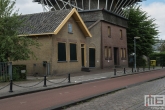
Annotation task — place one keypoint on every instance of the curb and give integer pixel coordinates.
(39, 90)
(71, 103)
(59, 107)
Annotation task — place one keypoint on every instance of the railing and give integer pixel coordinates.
(45, 80)
(132, 71)
(5, 71)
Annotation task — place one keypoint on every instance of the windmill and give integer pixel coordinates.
(113, 6)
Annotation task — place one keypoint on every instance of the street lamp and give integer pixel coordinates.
(135, 51)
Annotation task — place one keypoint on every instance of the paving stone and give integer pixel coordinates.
(128, 99)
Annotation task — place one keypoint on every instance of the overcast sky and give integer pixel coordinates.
(154, 8)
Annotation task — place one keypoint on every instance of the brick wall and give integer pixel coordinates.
(114, 41)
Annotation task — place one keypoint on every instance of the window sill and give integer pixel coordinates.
(109, 36)
(73, 61)
(106, 58)
(61, 61)
(110, 58)
(123, 59)
(70, 32)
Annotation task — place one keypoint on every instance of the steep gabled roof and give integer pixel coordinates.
(50, 23)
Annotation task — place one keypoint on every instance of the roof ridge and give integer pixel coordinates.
(45, 12)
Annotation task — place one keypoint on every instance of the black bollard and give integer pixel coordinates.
(124, 70)
(69, 78)
(114, 72)
(137, 69)
(149, 68)
(153, 67)
(132, 69)
(143, 68)
(11, 86)
(45, 81)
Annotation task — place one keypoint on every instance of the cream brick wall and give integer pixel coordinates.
(95, 42)
(63, 36)
(44, 53)
(48, 52)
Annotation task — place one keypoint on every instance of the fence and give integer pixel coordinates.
(5, 71)
(45, 80)
(132, 71)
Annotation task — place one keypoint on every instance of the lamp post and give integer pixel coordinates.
(135, 51)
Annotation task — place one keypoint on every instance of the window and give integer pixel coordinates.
(70, 30)
(73, 52)
(121, 34)
(124, 53)
(109, 53)
(121, 52)
(106, 52)
(61, 52)
(109, 31)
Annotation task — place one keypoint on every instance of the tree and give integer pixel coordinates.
(161, 48)
(12, 46)
(141, 25)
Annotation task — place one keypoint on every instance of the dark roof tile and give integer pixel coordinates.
(45, 22)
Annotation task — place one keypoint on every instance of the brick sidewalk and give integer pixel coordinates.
(24, 86)
(56, 98)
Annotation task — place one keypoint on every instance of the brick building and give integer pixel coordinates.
(62, 35)
(68, 46)
(108, 37)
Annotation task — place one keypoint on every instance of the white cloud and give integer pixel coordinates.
(28, 7)
(156, 10)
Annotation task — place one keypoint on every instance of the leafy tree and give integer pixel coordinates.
(12, 46)
(141, 25)
(161, 48)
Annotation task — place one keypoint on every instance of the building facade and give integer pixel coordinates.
(71, 41)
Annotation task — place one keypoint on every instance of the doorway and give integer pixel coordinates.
(82, 57)
(91, 57)
(116, 55)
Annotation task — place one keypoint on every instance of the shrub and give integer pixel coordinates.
(17, 75)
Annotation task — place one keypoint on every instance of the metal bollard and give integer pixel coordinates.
(114, 72)
(149, 68)
(69, 78)
(11, 86)
(124, 70)
(45, 81)
(132, 69)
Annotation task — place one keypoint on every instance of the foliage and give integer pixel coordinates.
(141, 62)
(141, 25)
(159, 57)
(17, 75)
(161, 48)
(13, 47)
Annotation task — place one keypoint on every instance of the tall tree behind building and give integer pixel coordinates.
(141, 25)
(12, 46)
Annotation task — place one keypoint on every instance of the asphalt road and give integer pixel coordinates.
(62, 96)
